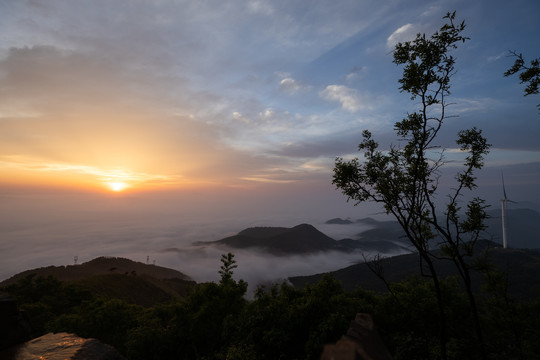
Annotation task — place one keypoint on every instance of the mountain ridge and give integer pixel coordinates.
(300, 239)
(522, 226)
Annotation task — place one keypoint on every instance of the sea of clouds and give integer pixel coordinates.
(49, 230)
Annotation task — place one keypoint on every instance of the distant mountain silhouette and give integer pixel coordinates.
(339, 221)
(301, 239)
(521, 266)
(522, 227)
(364, 221)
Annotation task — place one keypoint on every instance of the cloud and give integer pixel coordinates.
(431, 11)
(103, 175)
(356, 73)
(239, 117)
(168, 87)
(349, 98)
(468, 105)
(289, 85)
(265, 179)
(261, 7)
(404, 33)
(320, 164)
(506, 157)
(81, 113)
(496, 57)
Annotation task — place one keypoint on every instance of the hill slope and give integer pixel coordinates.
(522, 268)
(100, 266)
(119, 278)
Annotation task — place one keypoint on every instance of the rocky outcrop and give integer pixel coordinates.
(16, 341)
(61, 346)
(361, 342)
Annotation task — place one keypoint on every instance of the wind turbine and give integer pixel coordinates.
(504, 200)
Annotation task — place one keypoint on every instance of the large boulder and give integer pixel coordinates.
(361, 342)
(61, 346)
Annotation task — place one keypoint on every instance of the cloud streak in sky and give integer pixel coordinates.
(402, 34)
(349, 98)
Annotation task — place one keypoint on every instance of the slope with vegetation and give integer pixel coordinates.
(113, 277)
(519, 267)
(216, 321)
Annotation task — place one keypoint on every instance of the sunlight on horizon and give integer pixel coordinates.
(39, 172)
(117, 186)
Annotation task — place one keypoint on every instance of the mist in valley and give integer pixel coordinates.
(52, 229)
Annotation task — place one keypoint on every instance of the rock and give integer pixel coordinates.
(61, 346)
(362, 342)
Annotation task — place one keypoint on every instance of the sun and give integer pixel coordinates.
(117, 186)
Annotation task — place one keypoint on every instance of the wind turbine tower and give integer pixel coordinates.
(504, 200)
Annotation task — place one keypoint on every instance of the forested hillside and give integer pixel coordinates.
(520, 267)
(215, 320)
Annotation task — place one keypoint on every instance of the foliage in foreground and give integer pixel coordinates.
(528, 74)
(216, 321)
(405, 179)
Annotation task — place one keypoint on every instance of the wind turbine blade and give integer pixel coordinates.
(513, 202)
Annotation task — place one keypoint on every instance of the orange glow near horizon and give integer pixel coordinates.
(37, 172)
(117, 186)
(103, 176)
(33, 172)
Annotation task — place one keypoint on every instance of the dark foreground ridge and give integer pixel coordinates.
(521, 266)
(216, 321)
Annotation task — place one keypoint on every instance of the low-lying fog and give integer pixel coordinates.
(48, 230)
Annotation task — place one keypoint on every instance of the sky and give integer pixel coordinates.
(123, 119)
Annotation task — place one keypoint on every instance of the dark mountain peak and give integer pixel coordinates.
(305, 228)
(303, 238)
(338, 221)
(108, 260)
(262, 232)
(366, 221)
